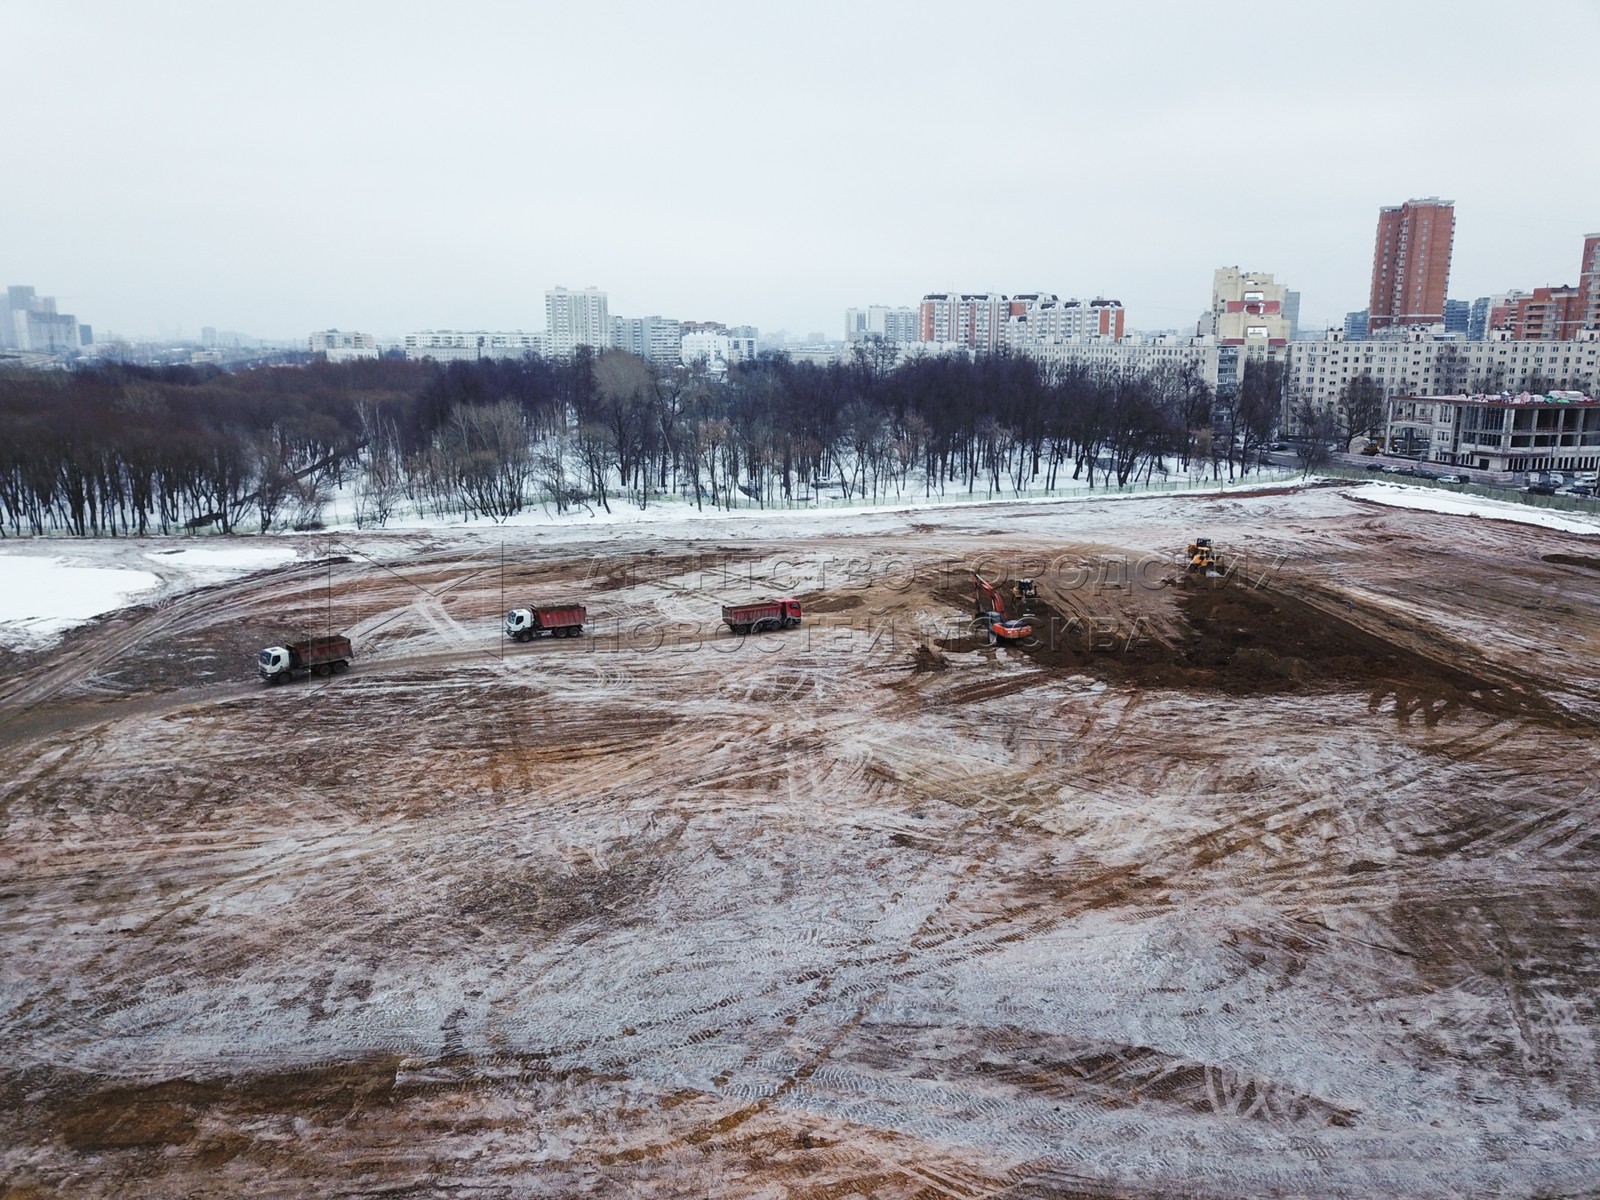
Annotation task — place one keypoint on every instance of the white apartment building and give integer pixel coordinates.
(455, 345)
(334, 345)
(880, 321)
(658, 339)
(717, 350)
(971, 319)
(1041, 319)
(576, 318)
(1423, 361)
(31, 322)
(1134, 353)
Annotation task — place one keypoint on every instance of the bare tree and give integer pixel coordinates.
(1361, 406)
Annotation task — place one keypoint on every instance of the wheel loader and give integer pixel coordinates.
(1204, 559)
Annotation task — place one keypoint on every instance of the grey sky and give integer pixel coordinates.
(287, 167)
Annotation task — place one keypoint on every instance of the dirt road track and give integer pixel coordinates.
(1293, 897)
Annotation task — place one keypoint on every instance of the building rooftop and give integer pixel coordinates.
(1517, 398)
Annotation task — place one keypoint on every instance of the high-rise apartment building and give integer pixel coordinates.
(1589, 281)
(1457, 316)
(576, 318)
(1046, 320)
(31, 322)
(658, 339)
(880, 321)
(1355, 325)
(1551, 314)
(974, 320)
(1411, 263)
(1557, 314)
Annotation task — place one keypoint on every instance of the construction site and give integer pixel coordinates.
(1053, 852)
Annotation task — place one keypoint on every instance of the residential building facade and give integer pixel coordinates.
(1420, 362)
(1134, 353)
(1589, 281)
(576, 318)
(658, 339)
(334, 345)
(31, 323)
(453, 345)
(880, 321)
(1042, 319)
(718, 350)
(1411, 263)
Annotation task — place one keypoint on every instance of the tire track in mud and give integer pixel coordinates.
(96, 647)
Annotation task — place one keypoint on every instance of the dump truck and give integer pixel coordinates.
(764, 614)
(314, 656)
(555, 620)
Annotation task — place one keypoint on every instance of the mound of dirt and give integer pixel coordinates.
(1239, 640)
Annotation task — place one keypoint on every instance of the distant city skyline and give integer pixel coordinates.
(349, 167)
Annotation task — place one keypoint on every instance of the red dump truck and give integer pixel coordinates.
(765, 614)
(315, 656)
(557, 620)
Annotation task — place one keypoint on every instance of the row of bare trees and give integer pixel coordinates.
(123, 450)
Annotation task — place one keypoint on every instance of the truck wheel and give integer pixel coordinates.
(791, 622)
(340, 667)
(274, 680)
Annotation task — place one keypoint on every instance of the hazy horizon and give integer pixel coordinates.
(388, 168)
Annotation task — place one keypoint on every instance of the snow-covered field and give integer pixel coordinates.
(1278, 887)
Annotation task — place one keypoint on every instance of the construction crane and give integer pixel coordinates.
(989, 607)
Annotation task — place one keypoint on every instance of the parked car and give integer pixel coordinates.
(1449, 478)
(1540, 489)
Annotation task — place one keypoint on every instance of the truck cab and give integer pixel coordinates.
(518, 622)
(273, 663)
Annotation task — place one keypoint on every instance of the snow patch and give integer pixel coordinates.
(1430, 500)
(231, 561)
(42, 598)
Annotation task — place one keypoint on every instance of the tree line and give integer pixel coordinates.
(123, 450)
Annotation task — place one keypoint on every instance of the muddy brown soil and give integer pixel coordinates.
(1241, 639)
(1281, 886)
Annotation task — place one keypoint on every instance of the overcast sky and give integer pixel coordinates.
(284, 167)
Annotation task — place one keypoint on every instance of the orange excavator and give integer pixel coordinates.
(989, 606)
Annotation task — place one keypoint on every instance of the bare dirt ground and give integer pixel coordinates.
(1282, 885)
